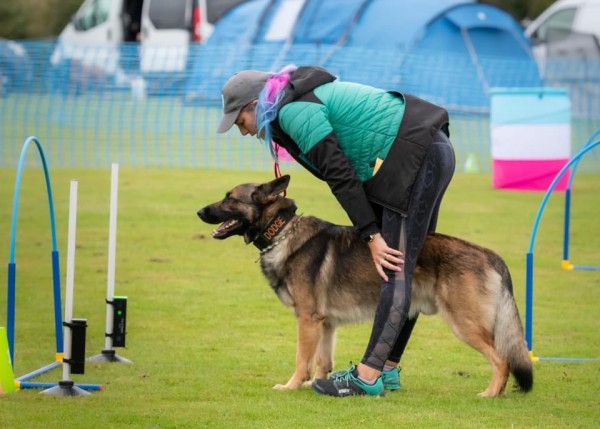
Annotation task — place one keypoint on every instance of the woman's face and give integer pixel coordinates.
(246, 120)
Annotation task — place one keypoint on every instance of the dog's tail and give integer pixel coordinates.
(509, 338)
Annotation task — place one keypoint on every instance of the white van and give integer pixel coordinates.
(92, 44)
(568, 28)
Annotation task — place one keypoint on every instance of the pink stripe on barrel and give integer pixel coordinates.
(528, 175)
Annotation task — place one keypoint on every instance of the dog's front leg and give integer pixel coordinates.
(324, 356)
(309, 335)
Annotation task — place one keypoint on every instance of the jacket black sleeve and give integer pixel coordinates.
(335, 169)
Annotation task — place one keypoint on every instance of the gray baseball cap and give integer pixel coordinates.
(238, 91)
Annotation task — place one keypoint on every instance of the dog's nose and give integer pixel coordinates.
(204, 213)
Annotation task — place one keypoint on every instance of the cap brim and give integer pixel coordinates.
(227, 121)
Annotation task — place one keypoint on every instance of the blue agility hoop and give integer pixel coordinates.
(566, 264)
(10, 325)
(529, 260)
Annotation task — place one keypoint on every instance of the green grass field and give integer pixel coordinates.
(208, 339)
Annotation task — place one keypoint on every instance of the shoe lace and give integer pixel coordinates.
(344, 375)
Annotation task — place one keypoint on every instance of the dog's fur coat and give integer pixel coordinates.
(325, 273)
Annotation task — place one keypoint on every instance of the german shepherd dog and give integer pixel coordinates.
(325, 274)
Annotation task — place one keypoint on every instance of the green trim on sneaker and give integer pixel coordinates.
(346, 383)
(391, 378)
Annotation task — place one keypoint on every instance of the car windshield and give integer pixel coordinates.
(557, 27)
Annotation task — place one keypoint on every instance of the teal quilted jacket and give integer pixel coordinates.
(339, 130)
(365, 121)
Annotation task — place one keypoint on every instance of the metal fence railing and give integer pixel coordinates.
(104, 105)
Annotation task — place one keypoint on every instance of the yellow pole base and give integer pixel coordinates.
(533, 358)
(566, 265)
(7, 377)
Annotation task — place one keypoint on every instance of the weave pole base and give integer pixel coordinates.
(66, 388)
(108, 356)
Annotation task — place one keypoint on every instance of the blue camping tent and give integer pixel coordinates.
(484, 29)
(396, 23)
(240, 24)
(468, 44)
(448, 51)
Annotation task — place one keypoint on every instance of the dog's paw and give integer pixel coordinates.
(292, 385)
(307, 384)
(489, 394)
(283, 387)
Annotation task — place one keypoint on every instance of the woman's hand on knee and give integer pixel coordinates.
(384, 256)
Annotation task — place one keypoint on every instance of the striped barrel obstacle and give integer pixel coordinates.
(530, 135)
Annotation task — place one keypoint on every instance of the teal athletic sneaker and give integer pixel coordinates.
(346, 383)
(391, 378)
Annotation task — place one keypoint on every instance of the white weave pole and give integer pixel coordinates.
(70, 280)
(108, 354)
(66, 387)
(112, 250)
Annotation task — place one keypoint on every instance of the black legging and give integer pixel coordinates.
(391, 329)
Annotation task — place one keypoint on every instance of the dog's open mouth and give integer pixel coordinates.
(228, 228)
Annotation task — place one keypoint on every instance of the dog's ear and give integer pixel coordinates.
(267, 192)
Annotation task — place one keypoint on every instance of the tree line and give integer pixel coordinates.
(31, 19)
